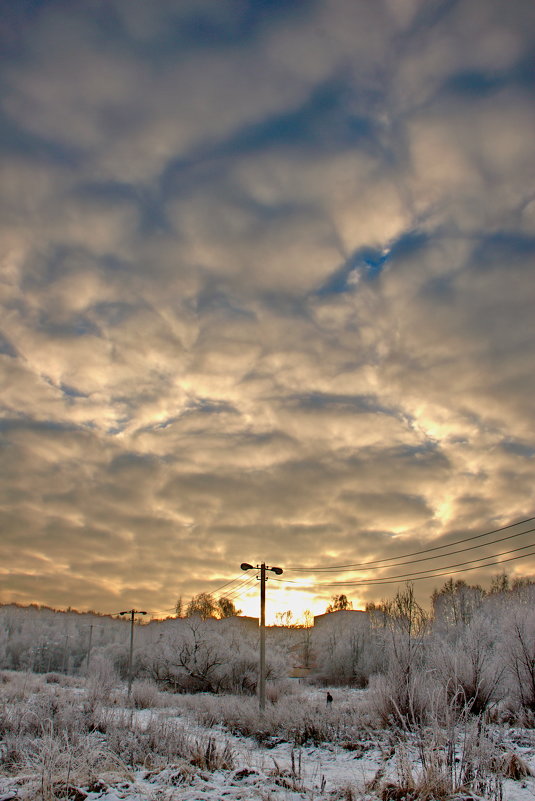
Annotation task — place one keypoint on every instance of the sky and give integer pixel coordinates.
(266, 294)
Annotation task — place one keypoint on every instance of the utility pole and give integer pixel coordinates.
(89, 648)
(64, 662)
(49, 649)
(262, 676)
(262, 664)
(131, 612)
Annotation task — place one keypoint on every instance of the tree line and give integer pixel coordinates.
(474, 649)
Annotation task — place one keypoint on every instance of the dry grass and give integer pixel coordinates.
(293, 719)
(60, 737)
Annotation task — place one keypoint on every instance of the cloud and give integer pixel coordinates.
(266, 290)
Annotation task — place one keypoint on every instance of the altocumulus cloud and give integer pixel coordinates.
(267, 289)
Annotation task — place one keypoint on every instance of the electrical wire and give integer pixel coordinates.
(333, 568)
(417, 577)
(241, 590)
(442, 556)
(172, 609)
(238, 591)
(244, 585)
(241, 596)
(238, 577)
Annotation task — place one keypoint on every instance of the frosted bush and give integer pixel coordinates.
(202, 656)
(61, 679)
(102, 679)
(470, 668)
(57, 759)
(19, 685)
(397, 699)
(145, 694)
(292, 719)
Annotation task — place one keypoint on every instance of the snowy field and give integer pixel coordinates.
(68, 738)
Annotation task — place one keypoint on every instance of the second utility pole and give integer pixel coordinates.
(131, 612)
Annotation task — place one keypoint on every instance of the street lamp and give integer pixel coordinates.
(262, 668)
(131, 612)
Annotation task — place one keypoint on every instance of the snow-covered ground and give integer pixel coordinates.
(194, 748)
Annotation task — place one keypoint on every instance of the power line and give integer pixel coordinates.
(160, 611)
(245, 581)
(240, 598)
(442, 556)
(235, 592)
(238, 578)
(238, 592)
(329, 568)
(417, 577)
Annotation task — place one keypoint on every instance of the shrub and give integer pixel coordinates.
(145, 694)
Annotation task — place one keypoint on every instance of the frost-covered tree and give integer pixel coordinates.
(456, 603)
(470, 666)
(500, 583)
(519, 654)
(402, 624)
(41, 639)
(198, 655)
(345, 650)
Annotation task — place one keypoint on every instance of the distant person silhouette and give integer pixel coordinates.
(329, 699)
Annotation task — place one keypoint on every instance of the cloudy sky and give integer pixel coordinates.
(266, 294)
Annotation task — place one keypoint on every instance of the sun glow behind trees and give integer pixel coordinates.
(305, 588)
(281, 600)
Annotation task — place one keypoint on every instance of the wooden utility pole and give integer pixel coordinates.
(262, 661)
(131, 612)
(89, 648)
(262, 666)
(64, 661)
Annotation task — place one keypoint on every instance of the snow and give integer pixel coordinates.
(281, 773)
(273, 770)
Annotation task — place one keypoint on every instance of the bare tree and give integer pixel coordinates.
(520, 651)
(226, 608)
(339, 602)
(200, 658)
(500, 583)
(403, 629)
(205, 606)
(179, 607)
(456, 603)
(284, 618)
(345, 650)
(202, 605)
